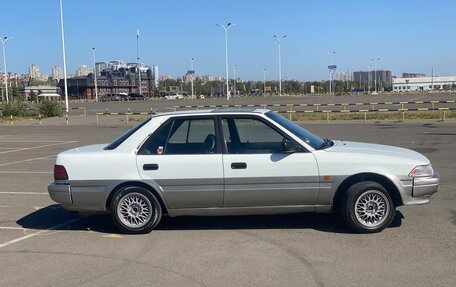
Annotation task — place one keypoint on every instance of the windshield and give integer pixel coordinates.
(126, 135)
(308, 137)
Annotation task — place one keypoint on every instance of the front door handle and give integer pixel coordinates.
(239, 165)
(150, 166)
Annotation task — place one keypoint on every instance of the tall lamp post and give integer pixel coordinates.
(280, 61)
(193, 73)
(4, 39)
(138, 62)
(332, 69)
(95, 74)
(375, 60)
(264, 81)
(369, 78)
(64, 60)
(225, 28)
(234, 79)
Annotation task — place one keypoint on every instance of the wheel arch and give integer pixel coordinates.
(390, 187)
(139, 184)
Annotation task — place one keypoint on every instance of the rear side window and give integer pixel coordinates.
(192, 136)
(156, 140)
(126, 135)
(183, 136)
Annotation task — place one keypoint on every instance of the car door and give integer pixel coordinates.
(183, 159)
(258, 173)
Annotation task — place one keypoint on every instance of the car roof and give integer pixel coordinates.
(214, 111)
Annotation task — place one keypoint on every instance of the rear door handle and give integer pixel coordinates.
(150, 166)
(239, 165)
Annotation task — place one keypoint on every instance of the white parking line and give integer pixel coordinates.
(33, 141)
(25, 172)
(11, 228)
(42, 232)
(36, 147)
(24, 193)
(26, 160)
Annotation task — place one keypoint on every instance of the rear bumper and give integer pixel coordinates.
(60, 193)
(84, 196)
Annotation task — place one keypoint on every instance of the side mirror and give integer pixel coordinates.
(290, 146)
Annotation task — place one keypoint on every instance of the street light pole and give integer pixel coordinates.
(264, 81)
(4, 39)
(95, 73)
(193, 73)
(234, 79)
(369, 78)
(280, 61)
(64, 60)
(375, 73)
(138, 62)
(330, 71)
(225, 28)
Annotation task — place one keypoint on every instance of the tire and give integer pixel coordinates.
(135, 210)
(367, 207)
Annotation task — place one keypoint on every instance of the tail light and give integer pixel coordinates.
(60, 173)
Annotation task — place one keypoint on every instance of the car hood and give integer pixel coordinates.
(377, 150)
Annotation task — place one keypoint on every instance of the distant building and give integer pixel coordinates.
(424, 83)
(413, 75)
(189, 76)
(83, 70)
(367, 78)
(39, 90)
(164, 78)
(44, 77)
(344, 76)
(120, 81)
(210, 79)
(101, 66)
(34, 72)
(57, 73)
(156, 74)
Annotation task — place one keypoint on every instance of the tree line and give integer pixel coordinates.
(291, 87)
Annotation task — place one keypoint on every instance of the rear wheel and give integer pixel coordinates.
(135, 210)
(367, 207)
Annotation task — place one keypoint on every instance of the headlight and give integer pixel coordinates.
(421, 171)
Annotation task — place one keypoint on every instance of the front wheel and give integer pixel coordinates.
(135, 210)
(367, 207)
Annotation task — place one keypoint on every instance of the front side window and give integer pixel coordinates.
(250, 136)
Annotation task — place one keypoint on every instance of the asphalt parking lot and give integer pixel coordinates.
(43, 245)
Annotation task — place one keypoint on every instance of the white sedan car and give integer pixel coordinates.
(235, 162)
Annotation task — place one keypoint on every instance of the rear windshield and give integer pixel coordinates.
(126, 135)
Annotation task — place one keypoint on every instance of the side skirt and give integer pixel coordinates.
(259, 210)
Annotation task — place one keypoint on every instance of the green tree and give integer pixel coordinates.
(16, 108)
(50, 108)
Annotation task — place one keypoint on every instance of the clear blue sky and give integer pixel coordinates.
(408, 36)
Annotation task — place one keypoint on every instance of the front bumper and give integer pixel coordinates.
(425, 186)
(60, 193)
